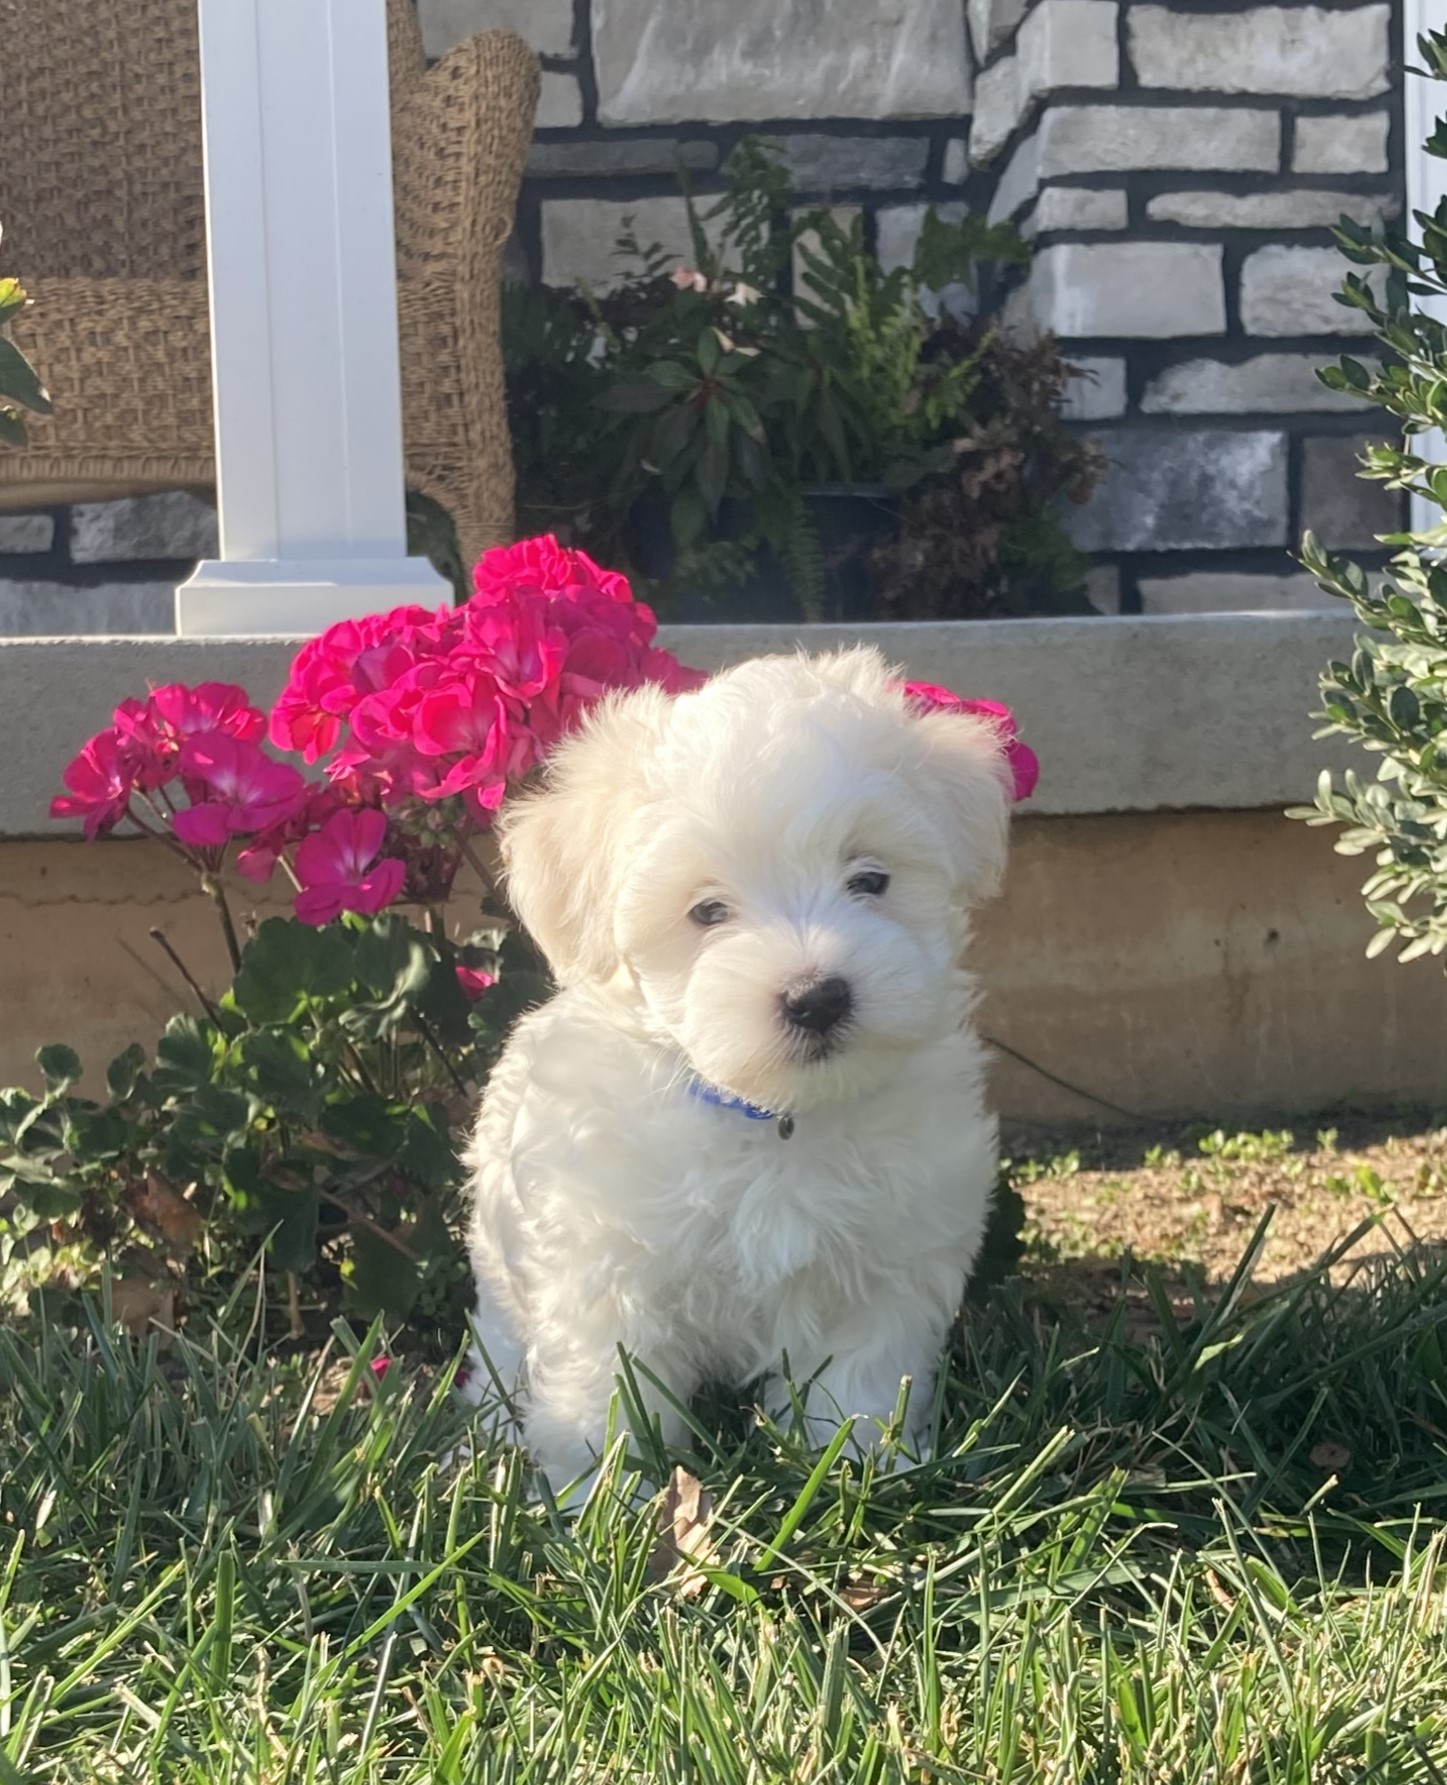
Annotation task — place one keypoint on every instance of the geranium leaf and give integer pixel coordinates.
(123, 1073)
(185, 1057)
(60, 1066)
(380, 1279)
(287, 962)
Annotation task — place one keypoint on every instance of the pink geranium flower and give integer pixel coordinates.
(517, 642)
(101, 781)
(338, 869)
(210, 706)
(257, 861)
(1024, 763)
(235, 789)
(156, 728)
(343, 665)
(465, 721)
(474, 982)
(422, 723)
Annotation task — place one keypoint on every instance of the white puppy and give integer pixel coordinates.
(749, 1130)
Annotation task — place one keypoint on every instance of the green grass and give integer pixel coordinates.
(1213, 1555)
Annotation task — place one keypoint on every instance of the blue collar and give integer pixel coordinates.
(726, 1100)
(706, 1093)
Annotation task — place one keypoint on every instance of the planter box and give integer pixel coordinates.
(1166, 939)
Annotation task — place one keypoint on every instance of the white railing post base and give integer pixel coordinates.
(291, 600)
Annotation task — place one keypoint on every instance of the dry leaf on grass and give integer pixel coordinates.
(161, 1207)
(138, 1305)
(684, 1548)
(864, 1595)
(1330, 1456)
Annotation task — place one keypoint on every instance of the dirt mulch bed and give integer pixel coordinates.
(1188, 1201)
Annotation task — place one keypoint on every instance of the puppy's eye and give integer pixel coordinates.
(869, 883)
(709, 912)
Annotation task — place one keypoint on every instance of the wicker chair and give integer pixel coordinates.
(102, 203)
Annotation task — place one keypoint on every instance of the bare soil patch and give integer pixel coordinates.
(1187, 1200)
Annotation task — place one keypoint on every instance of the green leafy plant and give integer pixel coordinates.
(311, 1107)
(699, 422)
(1391, 696)
(20, 386)
(313, 1102)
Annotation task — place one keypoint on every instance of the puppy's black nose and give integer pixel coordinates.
(820, 1005)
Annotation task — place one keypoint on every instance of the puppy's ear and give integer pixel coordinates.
(974, 790)
(564, 846)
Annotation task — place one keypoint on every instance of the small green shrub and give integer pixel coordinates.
(1391, 696)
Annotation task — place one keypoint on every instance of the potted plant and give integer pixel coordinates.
(789, 420)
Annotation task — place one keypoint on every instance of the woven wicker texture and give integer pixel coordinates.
(102, 204)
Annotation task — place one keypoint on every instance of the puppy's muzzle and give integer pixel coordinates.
(818, 1006)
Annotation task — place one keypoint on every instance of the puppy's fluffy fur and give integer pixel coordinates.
(613, 1205)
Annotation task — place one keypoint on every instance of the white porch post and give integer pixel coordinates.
(303, 322)
(1426, 188)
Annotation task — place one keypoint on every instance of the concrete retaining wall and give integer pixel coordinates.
(1166, 939)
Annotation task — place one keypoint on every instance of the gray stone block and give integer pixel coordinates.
(1102, 589)
(1344, 510)
(1281, 383)
(827, 164)
(26, 532)
(896, 236)
(171, 525)
(992, 22)
(641, 155)
(1168, 490)
(1305, 51)
(59, 610)
(756, 59)
(1341, 143)
(1096, 139)
(1098, 393)
(1080, 207)
(957, 162)
(580, 236)
(1019, 183)
(999, 106)
(560, 102)
(1269, 210)
(1292, 291)
(1154, 290)
(1062, 43)
(1231, 592)
(546, 24)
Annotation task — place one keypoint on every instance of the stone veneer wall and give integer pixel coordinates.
(1177, 166)
(101, 567)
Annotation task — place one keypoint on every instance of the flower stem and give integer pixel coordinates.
(163, 942)
(474, 861)
(430, 1036)
(217, 894)
(356, 1216)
